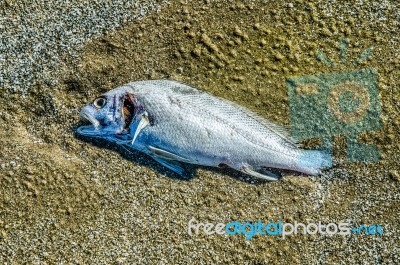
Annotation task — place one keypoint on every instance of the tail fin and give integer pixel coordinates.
(312, 161)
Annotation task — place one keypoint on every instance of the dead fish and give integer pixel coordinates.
(176, 123)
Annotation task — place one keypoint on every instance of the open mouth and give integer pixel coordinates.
(88, 125)
(128, 110)
(88, 120)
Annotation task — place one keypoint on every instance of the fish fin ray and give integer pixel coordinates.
(272, 172)
(166, 155)
(139, 126)
(267, 176)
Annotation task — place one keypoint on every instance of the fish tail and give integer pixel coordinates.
(313, 161)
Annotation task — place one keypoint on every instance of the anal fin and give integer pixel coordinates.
(267, 176)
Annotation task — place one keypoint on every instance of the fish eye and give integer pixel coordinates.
(100, 102)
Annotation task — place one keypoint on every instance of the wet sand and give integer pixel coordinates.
(71, 200)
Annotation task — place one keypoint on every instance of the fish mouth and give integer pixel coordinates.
(90, 125)
(89, 120)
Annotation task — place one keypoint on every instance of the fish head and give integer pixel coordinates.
(110, 114)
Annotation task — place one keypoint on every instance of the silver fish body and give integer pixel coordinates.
(174, 123)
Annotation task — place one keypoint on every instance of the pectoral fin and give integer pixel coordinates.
(143, 122)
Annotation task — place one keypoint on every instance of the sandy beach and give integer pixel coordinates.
(70, 200)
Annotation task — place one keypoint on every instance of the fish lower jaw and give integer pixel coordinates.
(88, 118)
